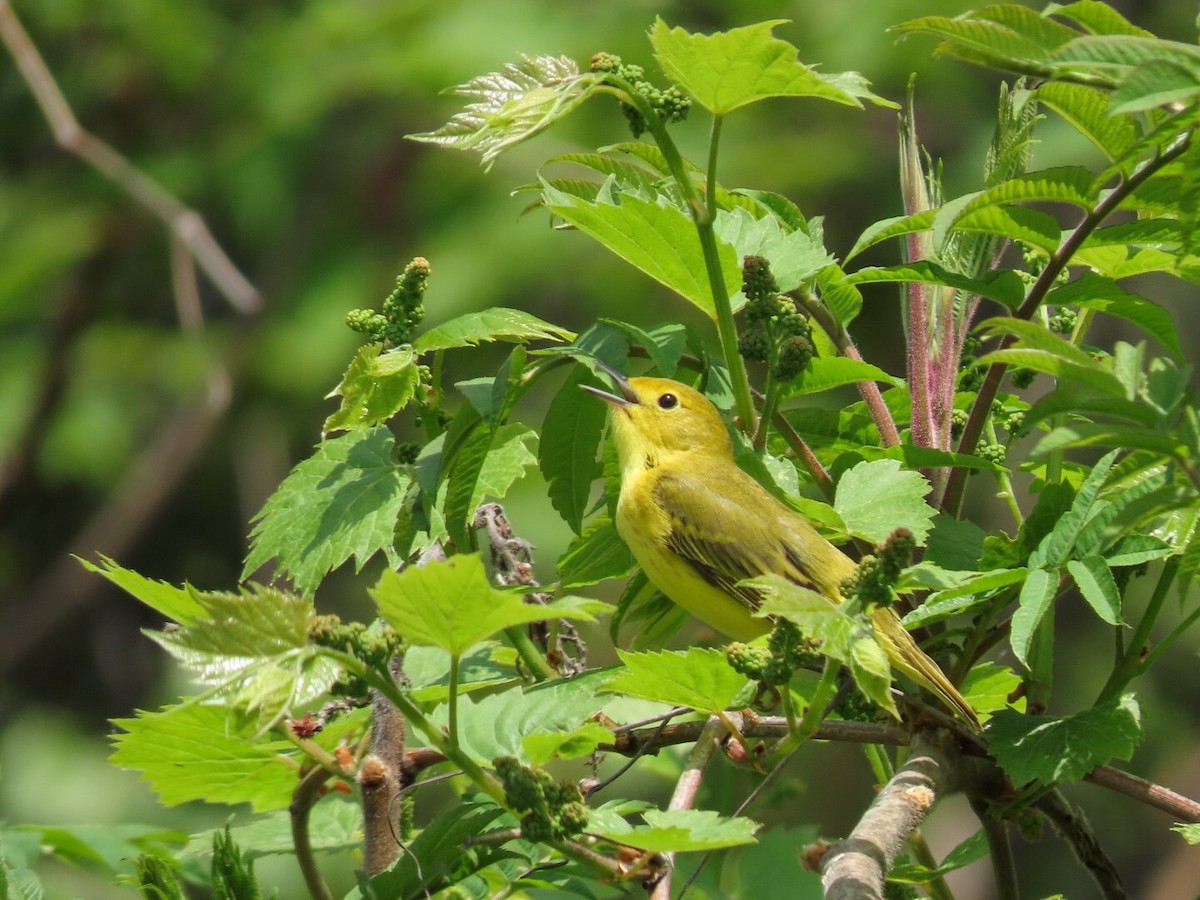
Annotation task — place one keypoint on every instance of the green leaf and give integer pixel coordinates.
(596, 555)
(955, 544)
(685, 830)
(657, 238)
(1049, 749)
(513, 105)
(1057, 545)
(1091, 291)
(664, 344)
(108, 846)
(654, 616)
(1036, 595)
(251, 650)
(1004, 286)
(485, 665)
(894, 226)
(1095, 582)
(571, 434)
(439, 857)
(334, 826)
(582, 741)
(1058, 365)
(341, 502)
(192, 752)
(825, 372)
(376, 386)
(988, 687)
(1135, 549)
(495, 324)
(450, 604)
(1190, 831)
(485, 468)
(841, 637)
(1098, 18)
(1018, 223)
(500, 724)
(1101, 435)
(971, 850)
(1086, 109)
(733, 68)
(842, 296)
(701, 678)
(793, 255)
(875, 498)
(176, 603)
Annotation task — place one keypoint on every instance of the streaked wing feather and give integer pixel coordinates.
(735, 543)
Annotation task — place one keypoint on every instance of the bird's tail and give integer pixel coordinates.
(914, 662)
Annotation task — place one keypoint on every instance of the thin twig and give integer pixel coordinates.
(1074, 828)
(688, 786)
(304, 798)
(184, 223)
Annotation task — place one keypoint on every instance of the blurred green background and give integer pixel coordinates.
(283, 124)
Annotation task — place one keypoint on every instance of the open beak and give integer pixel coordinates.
(628, 395)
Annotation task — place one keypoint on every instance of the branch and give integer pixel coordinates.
(1075, 830)
(650, 740)
(185, 224)
(1185, 809)
(304, 798)
(688, 786)
(854, 868)
(981, 409)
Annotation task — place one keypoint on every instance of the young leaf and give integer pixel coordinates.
(450, 604)
(176, 603)
(876, 498)
(1189, 831)
(1057, 545)
(193, 752)
(567, 451)
(1036, 595)
(1086, 109)
(685, 830)
(1048, 749)
(495, 324)
(252, 650)
(1003, 286)
(971, 850)
(513, 105)
(1095, 582)
(341, 502)
(376, 386)
(485, 468)
(730, 69)
(596, 555)
(794, 256)
(701, 678)
(657, 238)
(1092, 291)
(988, 687)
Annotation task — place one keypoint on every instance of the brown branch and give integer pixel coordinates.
(688, 786)
(185, 224)
(1185, 809)
(304, 798)
(650, 740)
(1075, 830)
(854, 868)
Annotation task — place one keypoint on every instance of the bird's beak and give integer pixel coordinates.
(628, 395)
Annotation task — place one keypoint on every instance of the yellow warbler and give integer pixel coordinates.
(698, 525)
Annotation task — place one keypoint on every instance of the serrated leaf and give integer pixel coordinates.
(681, 831)
(1096, 584)
(499, 724)
(1049, 749)
(513, 105)
(1091, 291)
(1036, 595)
(376, 386)
(1135, 549)
(1090, 374)
(1087, 110)
(252, 651)
(1057, 545)
(582, 741)
(1003, 286)
(730, 69)
(701, 678)
(341, 502)
(988, 687)
(192, 752)
(495, 324)
(875, 498)
(657, 238)
(596, 555)
(176, 603)
(971, 850)
(571, 434)
(450, 604)
(488, 464)
(794, 257)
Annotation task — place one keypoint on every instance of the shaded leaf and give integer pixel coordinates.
(376, 386)
(596, 555)
(701, 678)
(567, 456)
(495, 324)
(1036, 595)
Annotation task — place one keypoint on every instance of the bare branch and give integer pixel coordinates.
(1074, 828)
(854, 868)
(186, 225)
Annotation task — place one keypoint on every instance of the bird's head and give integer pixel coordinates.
(653, 416)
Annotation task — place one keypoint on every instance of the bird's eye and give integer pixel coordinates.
(668, 401)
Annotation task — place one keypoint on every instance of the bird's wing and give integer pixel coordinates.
(724, 538)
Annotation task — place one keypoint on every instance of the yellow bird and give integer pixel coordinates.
(698, 525)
